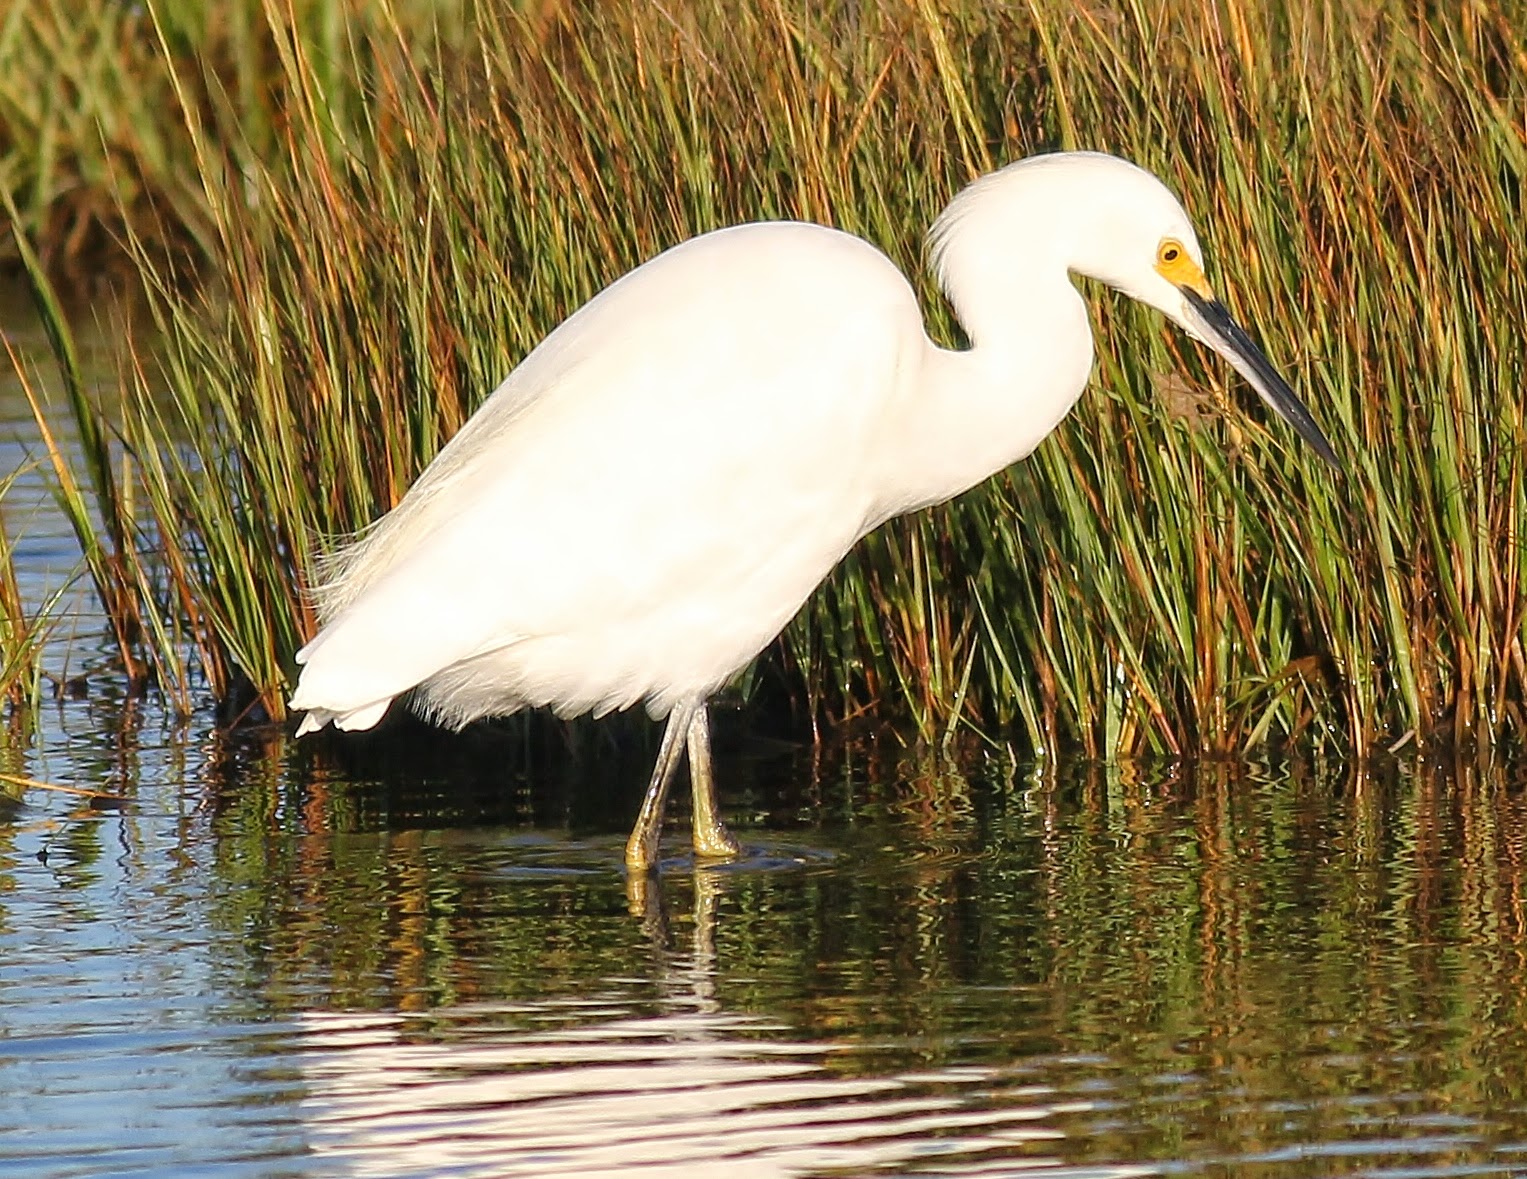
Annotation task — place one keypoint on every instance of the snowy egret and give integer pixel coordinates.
(650, 496)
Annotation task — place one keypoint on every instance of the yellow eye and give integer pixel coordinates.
(1176, 265)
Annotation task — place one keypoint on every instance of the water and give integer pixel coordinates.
(279, 959)
(259, 968)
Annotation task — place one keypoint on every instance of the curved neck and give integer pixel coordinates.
(967, 415)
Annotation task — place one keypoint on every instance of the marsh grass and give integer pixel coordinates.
(1169, 573)
(24, 629)
(99, 101)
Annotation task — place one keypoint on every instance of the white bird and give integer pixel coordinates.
(653, 493)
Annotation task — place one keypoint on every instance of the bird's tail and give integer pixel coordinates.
(332, 700)
(317, 717)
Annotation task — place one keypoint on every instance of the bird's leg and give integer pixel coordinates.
(641, 848)
(711, 836)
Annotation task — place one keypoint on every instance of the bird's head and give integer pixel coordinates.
(1143, 244)
(1107, 219)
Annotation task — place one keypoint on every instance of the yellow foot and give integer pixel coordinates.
(641, 855)
(716, 843)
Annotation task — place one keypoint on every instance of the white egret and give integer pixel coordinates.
(652, 494)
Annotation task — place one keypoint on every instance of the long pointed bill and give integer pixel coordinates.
(1211, 321)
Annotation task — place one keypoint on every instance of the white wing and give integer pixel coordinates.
(647, 499)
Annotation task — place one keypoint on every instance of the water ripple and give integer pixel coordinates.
(658, 1095)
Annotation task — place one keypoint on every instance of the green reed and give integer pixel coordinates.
(99, 102)
(1168, 573)
(23, 629)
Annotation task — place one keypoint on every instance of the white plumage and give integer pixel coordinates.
(652, 494)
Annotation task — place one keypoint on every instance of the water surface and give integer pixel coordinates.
(261, 966)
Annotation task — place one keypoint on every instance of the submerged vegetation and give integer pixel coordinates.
(391, 209)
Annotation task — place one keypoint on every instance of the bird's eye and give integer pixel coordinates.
(1169, 251)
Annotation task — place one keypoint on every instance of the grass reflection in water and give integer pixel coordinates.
(1284, 971)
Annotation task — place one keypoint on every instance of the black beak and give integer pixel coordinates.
(1211, 321)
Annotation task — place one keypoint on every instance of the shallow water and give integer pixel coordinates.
(279, 959)
(260, 966)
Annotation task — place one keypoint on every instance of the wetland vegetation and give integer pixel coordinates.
(336, 226)
(346, 222)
